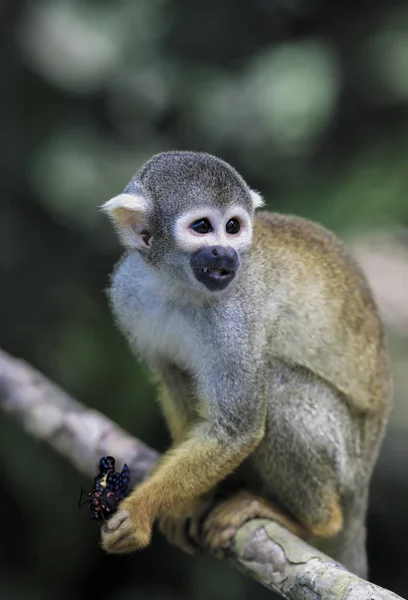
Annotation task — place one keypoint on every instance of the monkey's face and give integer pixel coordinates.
(212, 240)
(190, 215)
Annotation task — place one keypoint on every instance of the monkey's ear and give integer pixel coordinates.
(257, 200)
(129, 215)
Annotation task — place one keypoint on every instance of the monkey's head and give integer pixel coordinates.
(191, 217)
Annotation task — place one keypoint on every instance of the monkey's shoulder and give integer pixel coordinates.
(311, 255)
(297, 235)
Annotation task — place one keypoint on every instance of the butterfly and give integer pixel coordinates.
(109, 489)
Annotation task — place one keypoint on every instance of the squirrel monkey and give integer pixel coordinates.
(270, 356)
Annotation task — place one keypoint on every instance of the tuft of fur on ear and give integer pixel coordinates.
(129, 215)
(257, 199)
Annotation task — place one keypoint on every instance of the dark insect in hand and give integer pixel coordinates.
(109, 489)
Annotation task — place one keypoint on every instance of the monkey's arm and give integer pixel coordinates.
(215, 446)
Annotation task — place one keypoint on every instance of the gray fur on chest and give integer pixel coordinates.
(163, 327)
(154, 326)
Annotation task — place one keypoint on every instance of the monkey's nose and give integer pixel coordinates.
(223, 252)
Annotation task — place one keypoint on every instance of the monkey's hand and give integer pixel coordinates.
(181, 525)
(175, 481)
(227, 517)
(129, 529)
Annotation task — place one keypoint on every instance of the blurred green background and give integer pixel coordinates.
(308, 100)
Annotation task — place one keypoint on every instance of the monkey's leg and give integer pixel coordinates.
(181, 526)
(228, 516)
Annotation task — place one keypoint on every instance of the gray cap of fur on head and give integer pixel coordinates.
(176, 179)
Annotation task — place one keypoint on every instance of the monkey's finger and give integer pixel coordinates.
(122, 535)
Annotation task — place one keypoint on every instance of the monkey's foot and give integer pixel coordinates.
(182, 526)
(224, 521)
(125, 532)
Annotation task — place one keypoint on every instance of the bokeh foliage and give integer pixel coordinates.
(308, 99)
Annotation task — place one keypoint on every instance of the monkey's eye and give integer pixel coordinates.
(233, 226)
(201, 226)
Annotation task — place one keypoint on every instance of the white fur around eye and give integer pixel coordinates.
(190, 241)
(243, 238)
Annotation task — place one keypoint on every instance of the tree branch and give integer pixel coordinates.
(261, 549)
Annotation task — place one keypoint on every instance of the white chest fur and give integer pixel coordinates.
(155, 325)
